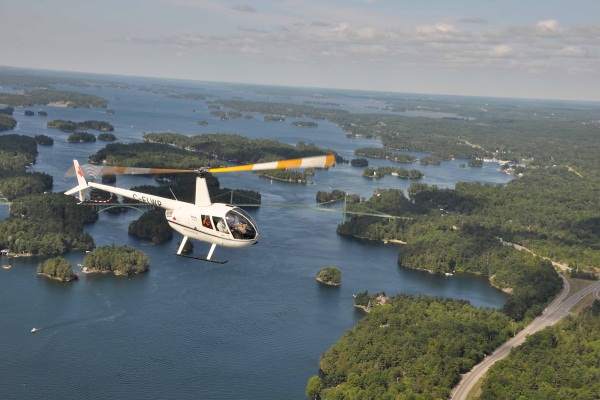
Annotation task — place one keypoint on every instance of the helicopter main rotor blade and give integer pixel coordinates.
(141, 171)
(306, 162)
(97, 171)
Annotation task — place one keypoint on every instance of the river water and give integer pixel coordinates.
(253, 328)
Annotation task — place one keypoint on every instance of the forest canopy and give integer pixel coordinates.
(121, 260)
(52, 97)
(559, 362)
(57, 268)
(411, 348)
(236, 148)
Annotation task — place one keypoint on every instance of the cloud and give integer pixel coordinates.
(528, 48)
(435, 29)
(501, 50)
(244, 8)
(548, 26)
(575, 52)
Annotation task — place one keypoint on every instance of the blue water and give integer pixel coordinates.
(253, 328)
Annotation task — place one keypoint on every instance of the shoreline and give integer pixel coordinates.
(56, 278)
(328, 283)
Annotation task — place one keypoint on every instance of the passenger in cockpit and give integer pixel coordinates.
(221, 226)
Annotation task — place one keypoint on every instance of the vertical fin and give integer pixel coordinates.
(202, 196)
(82, 186)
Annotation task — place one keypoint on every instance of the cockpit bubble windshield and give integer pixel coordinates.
(240, 224)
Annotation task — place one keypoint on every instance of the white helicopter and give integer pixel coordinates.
(215, 223)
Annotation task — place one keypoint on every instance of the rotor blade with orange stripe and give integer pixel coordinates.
(306, 162)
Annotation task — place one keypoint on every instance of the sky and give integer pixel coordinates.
(546, 49)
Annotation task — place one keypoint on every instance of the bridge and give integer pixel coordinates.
(330, 206)
(4, 201)
(100, 207)
(241, 200)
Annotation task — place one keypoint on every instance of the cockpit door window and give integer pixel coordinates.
(240, 225)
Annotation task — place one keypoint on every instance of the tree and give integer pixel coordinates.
(330, 276)
(314, 388)
(58, 268)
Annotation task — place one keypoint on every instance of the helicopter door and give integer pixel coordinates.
(221, 225)
(241, 224)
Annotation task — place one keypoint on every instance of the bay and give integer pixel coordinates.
(253, 328)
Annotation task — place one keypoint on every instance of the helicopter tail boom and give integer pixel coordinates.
(82, 183)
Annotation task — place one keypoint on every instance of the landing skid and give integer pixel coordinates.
(210, 253)
(201, 259)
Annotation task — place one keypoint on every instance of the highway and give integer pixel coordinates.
(555, 311)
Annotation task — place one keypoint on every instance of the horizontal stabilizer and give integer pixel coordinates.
(76, 189)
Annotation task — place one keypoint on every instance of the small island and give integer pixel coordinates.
(430, 160)
(397, 172)
(475, 162)
(274, 118)
(305, 124)
(57, 268)
(81, 137)
(72, 126)
(120, 260)
(330, 276)
(336, 195)
(107, 137)
(359, 162)
(284, 175)
(43, 140)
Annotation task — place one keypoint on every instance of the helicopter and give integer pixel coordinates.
(216, 223)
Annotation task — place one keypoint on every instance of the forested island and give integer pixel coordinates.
(57, 268)
(151, 155)
(290, 176)
(81, 137)
(120, 260)
(330, 197)
(376, 152)
(376, 173)
(236, 148)
(225, 116)
(107, 137)
(305, 124)
(52, 97)
(359, 162)
(71, 126)
(330, 276)
(43, 140)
